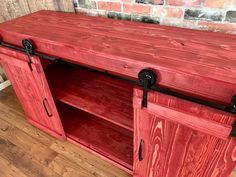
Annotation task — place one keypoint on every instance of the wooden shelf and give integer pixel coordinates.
(109, 140)
(103, 96)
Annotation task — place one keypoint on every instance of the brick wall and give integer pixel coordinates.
(212, 15)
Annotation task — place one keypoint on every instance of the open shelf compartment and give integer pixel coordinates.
(94, 92)
(103, 137)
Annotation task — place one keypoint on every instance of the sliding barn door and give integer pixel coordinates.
(32, 90)
(178, 138)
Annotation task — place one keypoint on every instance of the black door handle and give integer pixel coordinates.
(140, 150)
(46, 108)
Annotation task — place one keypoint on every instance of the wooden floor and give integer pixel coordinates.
(26, 151)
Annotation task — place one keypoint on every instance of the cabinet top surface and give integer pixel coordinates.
(200, 53)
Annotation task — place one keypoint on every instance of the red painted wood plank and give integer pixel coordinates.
(101, 43)
(176, 143)
(31, 88)
(132, 27)
(46, 129)
(13, 53)
(158, 37)
(194, 122)
(189, 51)
(184, 106)
(93, 92)
(102, 137)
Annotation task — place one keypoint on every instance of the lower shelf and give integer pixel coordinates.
(109, 140)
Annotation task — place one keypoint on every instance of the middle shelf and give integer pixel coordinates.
(94, 92)
(107, 139)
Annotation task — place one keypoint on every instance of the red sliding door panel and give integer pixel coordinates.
(33, 92)
(178, 138)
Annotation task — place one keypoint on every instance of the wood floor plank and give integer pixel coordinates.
(67, 168)
(233, 174)
(9, 170)
(88, 160)
(40, 152)
(23, 161)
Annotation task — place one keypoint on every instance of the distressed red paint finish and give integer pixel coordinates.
(196, 62)
(32, 90)
(181, 138)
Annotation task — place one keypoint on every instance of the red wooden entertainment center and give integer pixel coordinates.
(156, 101)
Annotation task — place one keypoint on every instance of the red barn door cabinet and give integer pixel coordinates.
(163, 97)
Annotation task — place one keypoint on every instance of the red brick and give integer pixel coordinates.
(168, 12)
(111, 6)
(217, 3)
(189, 3)
(137, 9)
(217, 26)
(158, 2)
